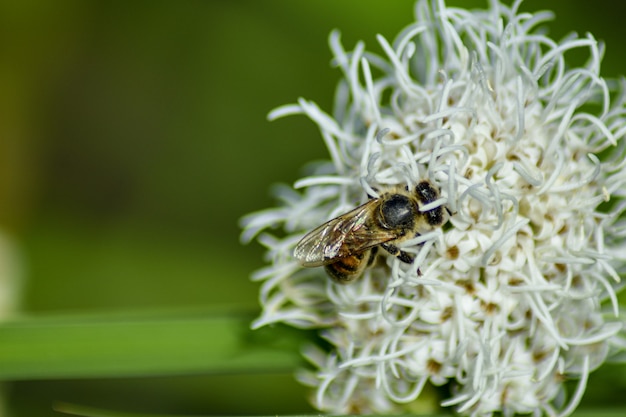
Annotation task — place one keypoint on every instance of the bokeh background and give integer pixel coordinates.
(133, 136)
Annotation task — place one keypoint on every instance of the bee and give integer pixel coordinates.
(348, 244)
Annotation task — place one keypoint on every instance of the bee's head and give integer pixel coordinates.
(425, 192)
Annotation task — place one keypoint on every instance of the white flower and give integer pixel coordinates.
(517, 292)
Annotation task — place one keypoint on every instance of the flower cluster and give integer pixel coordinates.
(516, 293)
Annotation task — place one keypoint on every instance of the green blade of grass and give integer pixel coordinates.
(142, 345)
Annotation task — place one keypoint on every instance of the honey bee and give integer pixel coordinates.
(348, 244)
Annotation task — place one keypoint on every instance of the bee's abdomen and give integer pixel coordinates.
(349, 268)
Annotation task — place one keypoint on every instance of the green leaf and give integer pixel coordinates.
(121, 345)
(78, 410)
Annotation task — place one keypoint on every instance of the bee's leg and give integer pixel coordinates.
(400, 254)
(405, 257)
(373, 253)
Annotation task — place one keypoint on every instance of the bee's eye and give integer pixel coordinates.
(434, 217)
(397, 211)
(425, 192)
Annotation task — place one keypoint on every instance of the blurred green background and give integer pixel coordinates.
(133, 136)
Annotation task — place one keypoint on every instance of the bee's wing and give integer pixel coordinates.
(342, 236)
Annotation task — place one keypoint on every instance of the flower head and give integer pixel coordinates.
(517, 292)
